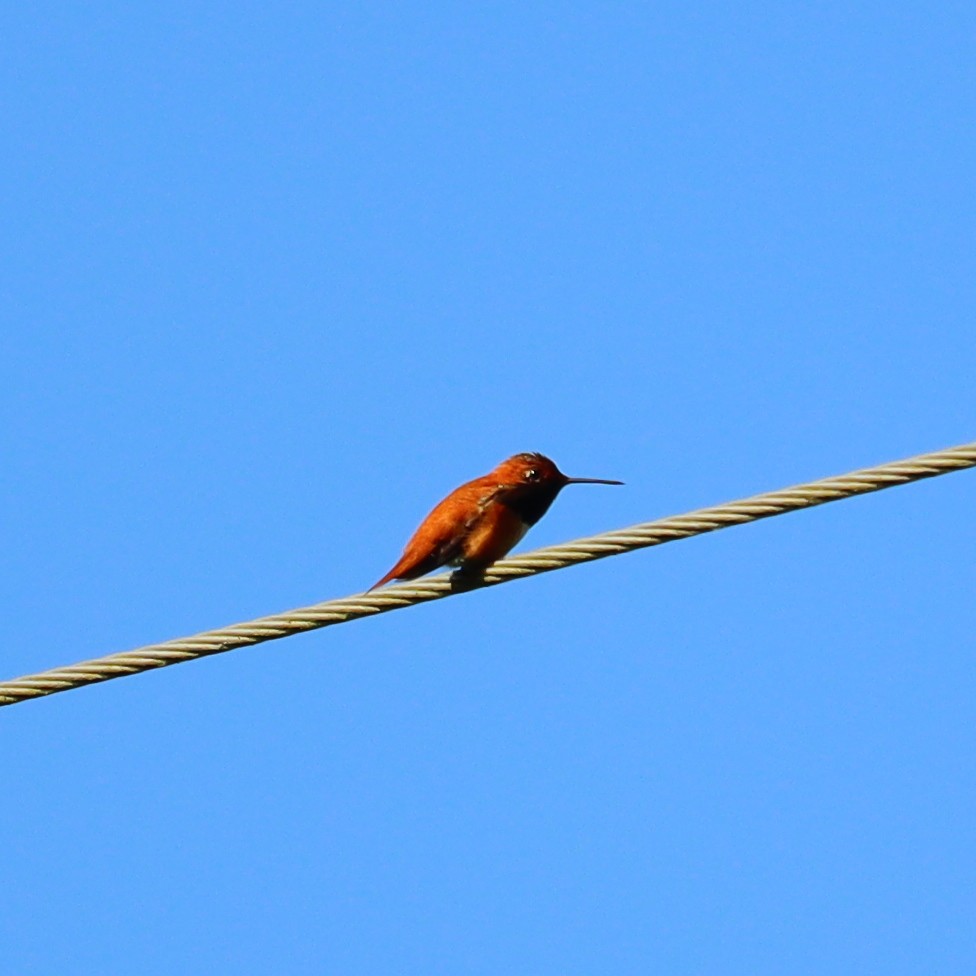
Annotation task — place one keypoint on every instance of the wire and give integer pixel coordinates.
(540, 561)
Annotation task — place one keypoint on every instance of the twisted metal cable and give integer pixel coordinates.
(540, 561)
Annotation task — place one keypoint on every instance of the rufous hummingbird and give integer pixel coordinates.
(482, 520)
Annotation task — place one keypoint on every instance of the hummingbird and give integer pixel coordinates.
(482, 520)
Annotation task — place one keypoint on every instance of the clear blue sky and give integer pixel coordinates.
(276, 278)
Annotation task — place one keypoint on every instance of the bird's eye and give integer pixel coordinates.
(531, 475)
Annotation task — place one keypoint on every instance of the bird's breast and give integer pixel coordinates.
(496, 532)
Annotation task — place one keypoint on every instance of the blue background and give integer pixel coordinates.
(275, 279)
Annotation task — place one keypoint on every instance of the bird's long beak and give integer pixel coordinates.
(591, 481)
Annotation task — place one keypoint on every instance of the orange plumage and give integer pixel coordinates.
(484, 519)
